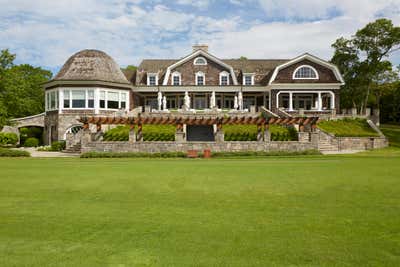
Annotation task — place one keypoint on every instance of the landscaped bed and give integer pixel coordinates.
(348, 128)
(302, 211)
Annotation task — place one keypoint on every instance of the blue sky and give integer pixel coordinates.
(46, 32)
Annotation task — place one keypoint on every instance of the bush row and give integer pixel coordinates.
(55, 146)
(184, 155)
(31, 132)
(8, 139)
(13, 153)
(150, 133)
(249, 133)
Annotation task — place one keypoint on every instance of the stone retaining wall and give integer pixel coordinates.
(361, 143)
(156, 147)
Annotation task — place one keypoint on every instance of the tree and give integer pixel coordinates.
(363, 59)
(130, 67)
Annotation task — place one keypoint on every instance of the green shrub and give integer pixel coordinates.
(31, 142)
(348, 128)
(27, 132)
(57, 146)
(150, 133)
(249, 133)
(13, 153)
(8, 139)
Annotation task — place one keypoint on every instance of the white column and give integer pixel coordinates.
(60, 100)
(319, 107)
(290, 101)
(332, 100)
(96, 101)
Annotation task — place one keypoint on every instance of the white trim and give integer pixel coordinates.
(315, 59)
(197, 64)
(309, 86)
(319, 105)
(305, 78)
(152, 75)
(176, 74)
(199, 74)
(223, 74)
(244, 78)
(195, 54)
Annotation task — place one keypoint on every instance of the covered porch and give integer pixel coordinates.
(307, 101)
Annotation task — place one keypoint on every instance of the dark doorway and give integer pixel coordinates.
(200, 133)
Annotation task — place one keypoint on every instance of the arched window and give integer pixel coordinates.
(200, 78)
(305, 72)
(200, 61)
(176, 78)
(224, 78)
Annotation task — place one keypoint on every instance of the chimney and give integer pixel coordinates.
(203, 47)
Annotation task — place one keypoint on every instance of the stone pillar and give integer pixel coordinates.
(86, 136)
(139, 136)
(304, 137)
(353, 112)
(259, 133)
(179, 133)
(333, 112)
(132, 133)
(219, 134)
(314, 137)
(267, 134)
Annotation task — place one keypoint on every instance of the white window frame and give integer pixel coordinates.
(176, 74)
(247, 75)
(152, 75)
(305, 78)
(48, 106)
(200, 64)
(200, 74)
(223, 74)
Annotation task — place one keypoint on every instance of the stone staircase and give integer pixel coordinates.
(326, 142)
(74, 149)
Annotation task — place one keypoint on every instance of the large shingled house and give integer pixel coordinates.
(92, 83)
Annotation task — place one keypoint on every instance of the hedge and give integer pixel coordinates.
(183, 155)
(150, 133)
(8, 139)
(13, 153)
(27, 132)
(348, 128)
(31, 142)
(249, 133)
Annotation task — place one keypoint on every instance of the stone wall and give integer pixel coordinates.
(155, 147)
(361, 143)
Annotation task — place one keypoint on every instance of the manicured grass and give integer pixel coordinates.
(296, 211)
(348, 128)
(392, 132)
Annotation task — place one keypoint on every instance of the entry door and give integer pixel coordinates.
(203, 133)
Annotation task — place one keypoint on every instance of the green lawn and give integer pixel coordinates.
(393, 133)
(295, 211)
(348, 127)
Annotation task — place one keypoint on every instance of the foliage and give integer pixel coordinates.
(337, 210)
(26, 132)
(8, 139)
(392, 132)
(133, 155)
(150, 133)
(21, 93)
(57, 146)
(390, 102)
(249, 133)
(31, 142)
(130, 67)
(13, 153)
(348, 128)
(362, 60)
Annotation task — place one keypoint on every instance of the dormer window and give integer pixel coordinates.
(152, 79)
(305, 72)
(248, 79)
(200, 78)
(176, 78)
(224, 78)
(200, 61)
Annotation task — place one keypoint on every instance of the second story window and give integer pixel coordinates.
(200, 80)
(224, 78)
(200, 61)
(176, 78)
(152, 79)
(305, 72)
(248, 79)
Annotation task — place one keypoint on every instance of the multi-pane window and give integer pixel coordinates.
(123, 100)
(112, 100)
(102, 99)
(248, 80)
(67, 99)
(90, 98)
(152, 79)
(224, 78)
(78, 98)
(305, 72)
(200, 61)
(52, 100)
(176, 79)
(199, 78)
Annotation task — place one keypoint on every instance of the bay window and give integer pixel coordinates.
(90, 94)
(102, 99)
(67, 99)
(123, 100)
(78, 98)
(112, 100)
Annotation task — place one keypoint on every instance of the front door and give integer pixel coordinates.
(203, 133)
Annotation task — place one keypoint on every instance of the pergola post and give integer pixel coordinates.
(259, 133)
(132, 133)
(139, 136)
(267, 134)
(219, 134)
(86, 136)
(179, 133)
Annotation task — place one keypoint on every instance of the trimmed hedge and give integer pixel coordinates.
(8, 139)
(27, 132)
(184, 155)
(150, 133)
(348, 128)
(57, 146)
(31, 142)
(13, 153)
(249, 133)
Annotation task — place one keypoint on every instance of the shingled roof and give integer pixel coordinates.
(91, 65)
